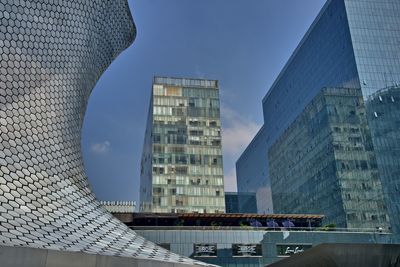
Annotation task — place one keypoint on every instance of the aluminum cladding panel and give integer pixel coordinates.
(52, 53)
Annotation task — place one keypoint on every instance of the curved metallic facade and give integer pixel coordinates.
(52, 54)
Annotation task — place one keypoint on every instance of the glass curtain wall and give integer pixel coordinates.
(186, 156)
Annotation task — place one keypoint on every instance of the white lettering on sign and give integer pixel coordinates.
(247, 249)
(290, 250)
(205, 249)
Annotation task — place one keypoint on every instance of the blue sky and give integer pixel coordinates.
(242, 43)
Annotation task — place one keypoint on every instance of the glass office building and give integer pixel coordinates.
(181, 168)
(351, 44)
(252, 172)
(324, 163)
(243, 202)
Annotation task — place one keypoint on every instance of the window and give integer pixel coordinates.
(174, 91)
(157, 190)
(216, 142)
(172, 191)
(213, 124)
(158, 170)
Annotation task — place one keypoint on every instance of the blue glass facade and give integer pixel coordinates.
(324, 163)
(324, 58)
(243, 202)
(351, 44)
(375, 33)
(231, 202)
(383, 111)
(252, 170)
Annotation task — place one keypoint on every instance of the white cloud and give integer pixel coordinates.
(101, 148)
(237, 132)
(230, 180)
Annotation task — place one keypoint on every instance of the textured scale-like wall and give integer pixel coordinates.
(52, 52)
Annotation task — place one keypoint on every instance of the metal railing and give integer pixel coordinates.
(265, 229)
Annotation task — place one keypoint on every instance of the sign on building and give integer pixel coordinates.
(290, 249)
(205, 250)
(246, 250)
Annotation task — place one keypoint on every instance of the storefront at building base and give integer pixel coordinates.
(235, 240)
(251, 247)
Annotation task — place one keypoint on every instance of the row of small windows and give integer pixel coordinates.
(173, 200)
(179, 121)
(350, 165)
(187, 112)
(186, 149)
(185, 209)
(195, 131)
(345, 129)
(188, 191)
(159, 81)
(185, 92)
(186, 102)
(185, 180)
(182, 139)
(187, 159)
(190, 169)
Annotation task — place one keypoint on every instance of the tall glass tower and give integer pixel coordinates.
(181, 168)
(351, 44)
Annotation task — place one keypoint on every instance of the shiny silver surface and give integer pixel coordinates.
(52, 53)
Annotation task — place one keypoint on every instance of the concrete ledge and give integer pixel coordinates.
(34, 257)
